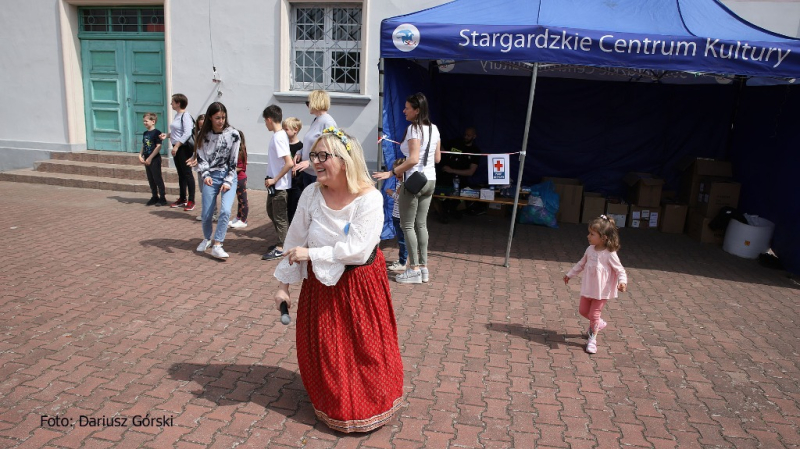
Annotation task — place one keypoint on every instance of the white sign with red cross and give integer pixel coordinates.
(499, 169)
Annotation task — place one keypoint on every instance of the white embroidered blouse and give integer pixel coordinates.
(335, 238)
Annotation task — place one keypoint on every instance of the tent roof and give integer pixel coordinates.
(687, 35)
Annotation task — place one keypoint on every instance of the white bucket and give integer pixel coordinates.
(748, 240)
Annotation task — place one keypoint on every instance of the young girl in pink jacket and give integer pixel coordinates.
(603, 275)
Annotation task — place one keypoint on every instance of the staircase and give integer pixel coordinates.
(102, 170)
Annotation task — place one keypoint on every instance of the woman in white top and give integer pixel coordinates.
(421, 136)
(347, 349)
(318, 104)
(180, 133)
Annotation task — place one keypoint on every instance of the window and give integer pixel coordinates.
(122, 20)
(326, 47)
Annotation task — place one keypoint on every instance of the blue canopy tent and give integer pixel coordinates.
(656, 37)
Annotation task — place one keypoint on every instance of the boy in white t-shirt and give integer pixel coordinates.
(278, 180)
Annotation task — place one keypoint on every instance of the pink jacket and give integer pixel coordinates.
(603, 272)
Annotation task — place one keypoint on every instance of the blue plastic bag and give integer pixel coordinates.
(542, 207)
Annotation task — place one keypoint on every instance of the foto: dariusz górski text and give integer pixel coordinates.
(107, 421)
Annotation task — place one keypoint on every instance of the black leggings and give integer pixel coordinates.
(185, 176)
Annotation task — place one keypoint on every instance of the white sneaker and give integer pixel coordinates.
(238, 224)
(409, 277)
(425, 273)
(396, 266)
(203, 246)
(215, 216)
(235, 220)
(218, 252)
(591, 345)
(199, 217)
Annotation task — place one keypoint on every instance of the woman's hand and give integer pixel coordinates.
(163, 136)
(174, 150)
(225, 187)
(300, 166)
(622, 287)
(382, 175)
(281, 295)
(566, 279)
(208, 181)
(192, 161)
(296, 254)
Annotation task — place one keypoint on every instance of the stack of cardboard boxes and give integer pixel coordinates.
(707, 187)
(644, 194)
(570, 193)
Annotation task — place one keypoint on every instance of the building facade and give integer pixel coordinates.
(82, 78)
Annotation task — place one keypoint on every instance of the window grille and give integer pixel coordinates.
(326, 47)
(122, 20)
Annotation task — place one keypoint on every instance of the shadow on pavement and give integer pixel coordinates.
(271, 387)
(130, 200)
(172, 214)
(546, 337)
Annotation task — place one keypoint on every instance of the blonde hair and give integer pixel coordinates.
(607, 228)
(293, 123)
(319, 100)
(355, 165)
(151, 115)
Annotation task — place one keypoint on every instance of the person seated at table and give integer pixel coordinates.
(457, 163)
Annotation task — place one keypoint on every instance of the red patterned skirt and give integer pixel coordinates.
(347, 348)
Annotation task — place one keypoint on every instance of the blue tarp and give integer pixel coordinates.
(677, 35)
(596, 130)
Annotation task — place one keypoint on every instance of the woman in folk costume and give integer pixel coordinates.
(347, 347)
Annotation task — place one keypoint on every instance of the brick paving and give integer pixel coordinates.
(107, 311)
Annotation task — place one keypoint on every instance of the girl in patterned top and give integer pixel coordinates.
(603, 275)
(217, 155)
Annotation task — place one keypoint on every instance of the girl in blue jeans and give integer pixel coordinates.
(217, 155)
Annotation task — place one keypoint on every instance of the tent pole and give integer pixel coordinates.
(379, 156)
(522, 160)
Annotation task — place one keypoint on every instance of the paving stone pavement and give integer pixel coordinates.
(107, 311)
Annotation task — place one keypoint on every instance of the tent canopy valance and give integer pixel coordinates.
(676, 35)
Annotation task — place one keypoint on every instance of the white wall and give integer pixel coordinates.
(32, 81)
(246, 52)
(779, 16)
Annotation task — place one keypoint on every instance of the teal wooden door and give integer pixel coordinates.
(122, 80)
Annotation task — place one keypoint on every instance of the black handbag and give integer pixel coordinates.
(416, 182)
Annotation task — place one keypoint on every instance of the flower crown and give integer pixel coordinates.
(340, 134)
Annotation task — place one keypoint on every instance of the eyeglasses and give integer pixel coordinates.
(321, 156)
(308, 103)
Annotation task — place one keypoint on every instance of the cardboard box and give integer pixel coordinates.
(697, 228)
(619, 212)
(487, 194)
(570, 193)
(498, 210)
(643, 217)
(594, 205)
(644, 189)
(696, 171)
(716, 195)
(673, 218)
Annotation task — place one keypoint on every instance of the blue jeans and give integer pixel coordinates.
(210, 198)
(401, 240)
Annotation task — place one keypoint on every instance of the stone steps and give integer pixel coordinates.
(102, 170)
(84, 181)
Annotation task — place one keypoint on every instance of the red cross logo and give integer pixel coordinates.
(498, 165)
